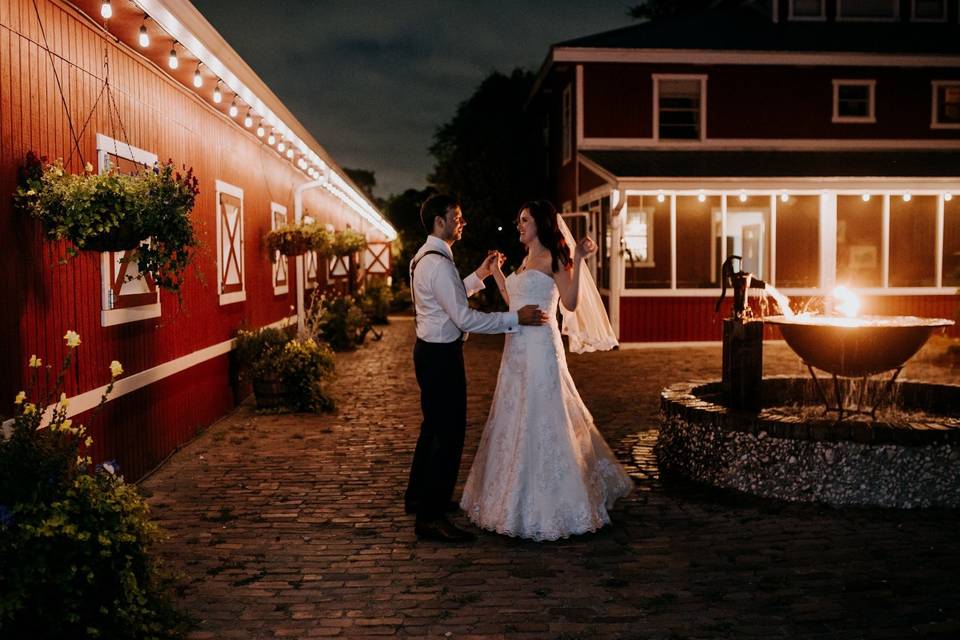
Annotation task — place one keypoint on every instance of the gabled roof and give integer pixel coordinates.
(745, 29)
(776, 164)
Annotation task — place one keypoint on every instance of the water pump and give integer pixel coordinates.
(742, 341)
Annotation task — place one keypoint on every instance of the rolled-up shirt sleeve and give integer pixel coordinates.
(472, 283)
(452, 299)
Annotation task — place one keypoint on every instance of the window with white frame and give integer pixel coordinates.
(567, 140)
(230, 275)
(126, 294)
(945, 113)
(679, 109)
(638, 237)
(281, 275)
(928, 10)
(808, 10)
(854, 101)
(868, 9)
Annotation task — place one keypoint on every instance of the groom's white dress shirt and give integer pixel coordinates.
(441, 302)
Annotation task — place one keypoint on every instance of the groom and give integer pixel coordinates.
(443, 317)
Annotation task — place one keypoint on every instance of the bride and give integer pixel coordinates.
(542, 470)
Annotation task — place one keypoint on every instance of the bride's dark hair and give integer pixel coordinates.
(544, 215)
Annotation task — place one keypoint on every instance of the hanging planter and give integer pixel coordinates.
(296, 239)
(347, 242)
(116, 212)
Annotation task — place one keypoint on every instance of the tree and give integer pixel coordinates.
(366, 180)
(492, 155)
(402, 210)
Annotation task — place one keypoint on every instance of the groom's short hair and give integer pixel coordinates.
(436, 205)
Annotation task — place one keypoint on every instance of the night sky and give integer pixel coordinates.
(373, 80)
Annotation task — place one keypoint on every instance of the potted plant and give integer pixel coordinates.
(347, 242)
(286, 371)
(340, 321)
(148, 211)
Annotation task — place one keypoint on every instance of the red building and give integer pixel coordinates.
(180, 92)
(819, 139)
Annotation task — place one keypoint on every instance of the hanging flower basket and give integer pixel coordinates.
(347, 242)
(296, 239)
(116, 212)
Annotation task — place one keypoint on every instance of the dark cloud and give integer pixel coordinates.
(373, 80)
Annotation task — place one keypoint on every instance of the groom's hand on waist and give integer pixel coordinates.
(531, 315)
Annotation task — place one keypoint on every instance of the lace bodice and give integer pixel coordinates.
(533, 287)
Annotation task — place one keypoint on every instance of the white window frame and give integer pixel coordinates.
(109, 316)
(934, 112)
(566, 115)
(798, 18)
(871, 116)
(841, 18)
(657, 77)
(913, 13)
(649, 213)
(233, 296)
(280, 261)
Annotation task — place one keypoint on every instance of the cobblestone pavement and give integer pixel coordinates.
(293, 527)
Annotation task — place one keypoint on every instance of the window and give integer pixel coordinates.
(807, 10)
(798, 241)
(679, 107)
(598, 212)
(928, 10)
(125, 295)
(567, 124)
(646, 234)
(699, 253)
(748, 233)
(868, 9)
(912, 236)
(230, 243)
(281, 275)
(951, 242)
(859, 241)
(946, 105)
(854, 100)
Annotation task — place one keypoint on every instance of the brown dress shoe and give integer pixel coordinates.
(442, 530)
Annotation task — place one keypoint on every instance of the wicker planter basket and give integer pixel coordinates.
(272, 394)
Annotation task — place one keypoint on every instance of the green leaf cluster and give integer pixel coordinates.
(296, 239)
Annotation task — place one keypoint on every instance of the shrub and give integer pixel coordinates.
(376, 302)
(339, 321)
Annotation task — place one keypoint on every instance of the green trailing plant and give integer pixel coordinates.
(148, 211)
(293, 369)
(75, 541)
(339, 321)
(297, 239)
(347, 242)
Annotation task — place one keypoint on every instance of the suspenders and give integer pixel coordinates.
(413, 295)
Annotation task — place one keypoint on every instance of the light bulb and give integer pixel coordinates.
(197, 78)
(289, 153)
(106, 10)
(906, 197)
(173, 62)
(784, 197)
(948, 197)
(866, 197)
(281, 146)
(260, 130)
(217, 95)
(701, 197)
(660, 197)
(271, 139)
(144, 36)
(248, 120)
(233, 109)
(743, 197)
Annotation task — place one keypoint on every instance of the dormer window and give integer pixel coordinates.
(808, 10)
(868, 10)
(853, 101)
(928, 10)
(679, 107)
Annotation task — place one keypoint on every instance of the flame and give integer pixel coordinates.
(845, 302)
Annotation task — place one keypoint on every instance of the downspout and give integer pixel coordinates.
(298, 216)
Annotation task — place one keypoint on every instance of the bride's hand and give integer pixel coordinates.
(585, 248)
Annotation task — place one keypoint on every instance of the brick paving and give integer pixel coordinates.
(293, 527)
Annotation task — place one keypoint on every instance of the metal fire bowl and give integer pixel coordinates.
(856, 347)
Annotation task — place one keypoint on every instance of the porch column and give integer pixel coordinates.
(618, 213)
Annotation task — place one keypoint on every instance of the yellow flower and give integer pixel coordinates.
(72, 338)
(29, 408)
(20, 397)
(65, 426)
(31, 192)
(35, 362)
(116, 369)
(88, 167)
(63, 400)
(88, 441)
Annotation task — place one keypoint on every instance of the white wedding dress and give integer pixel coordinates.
(542, 470)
